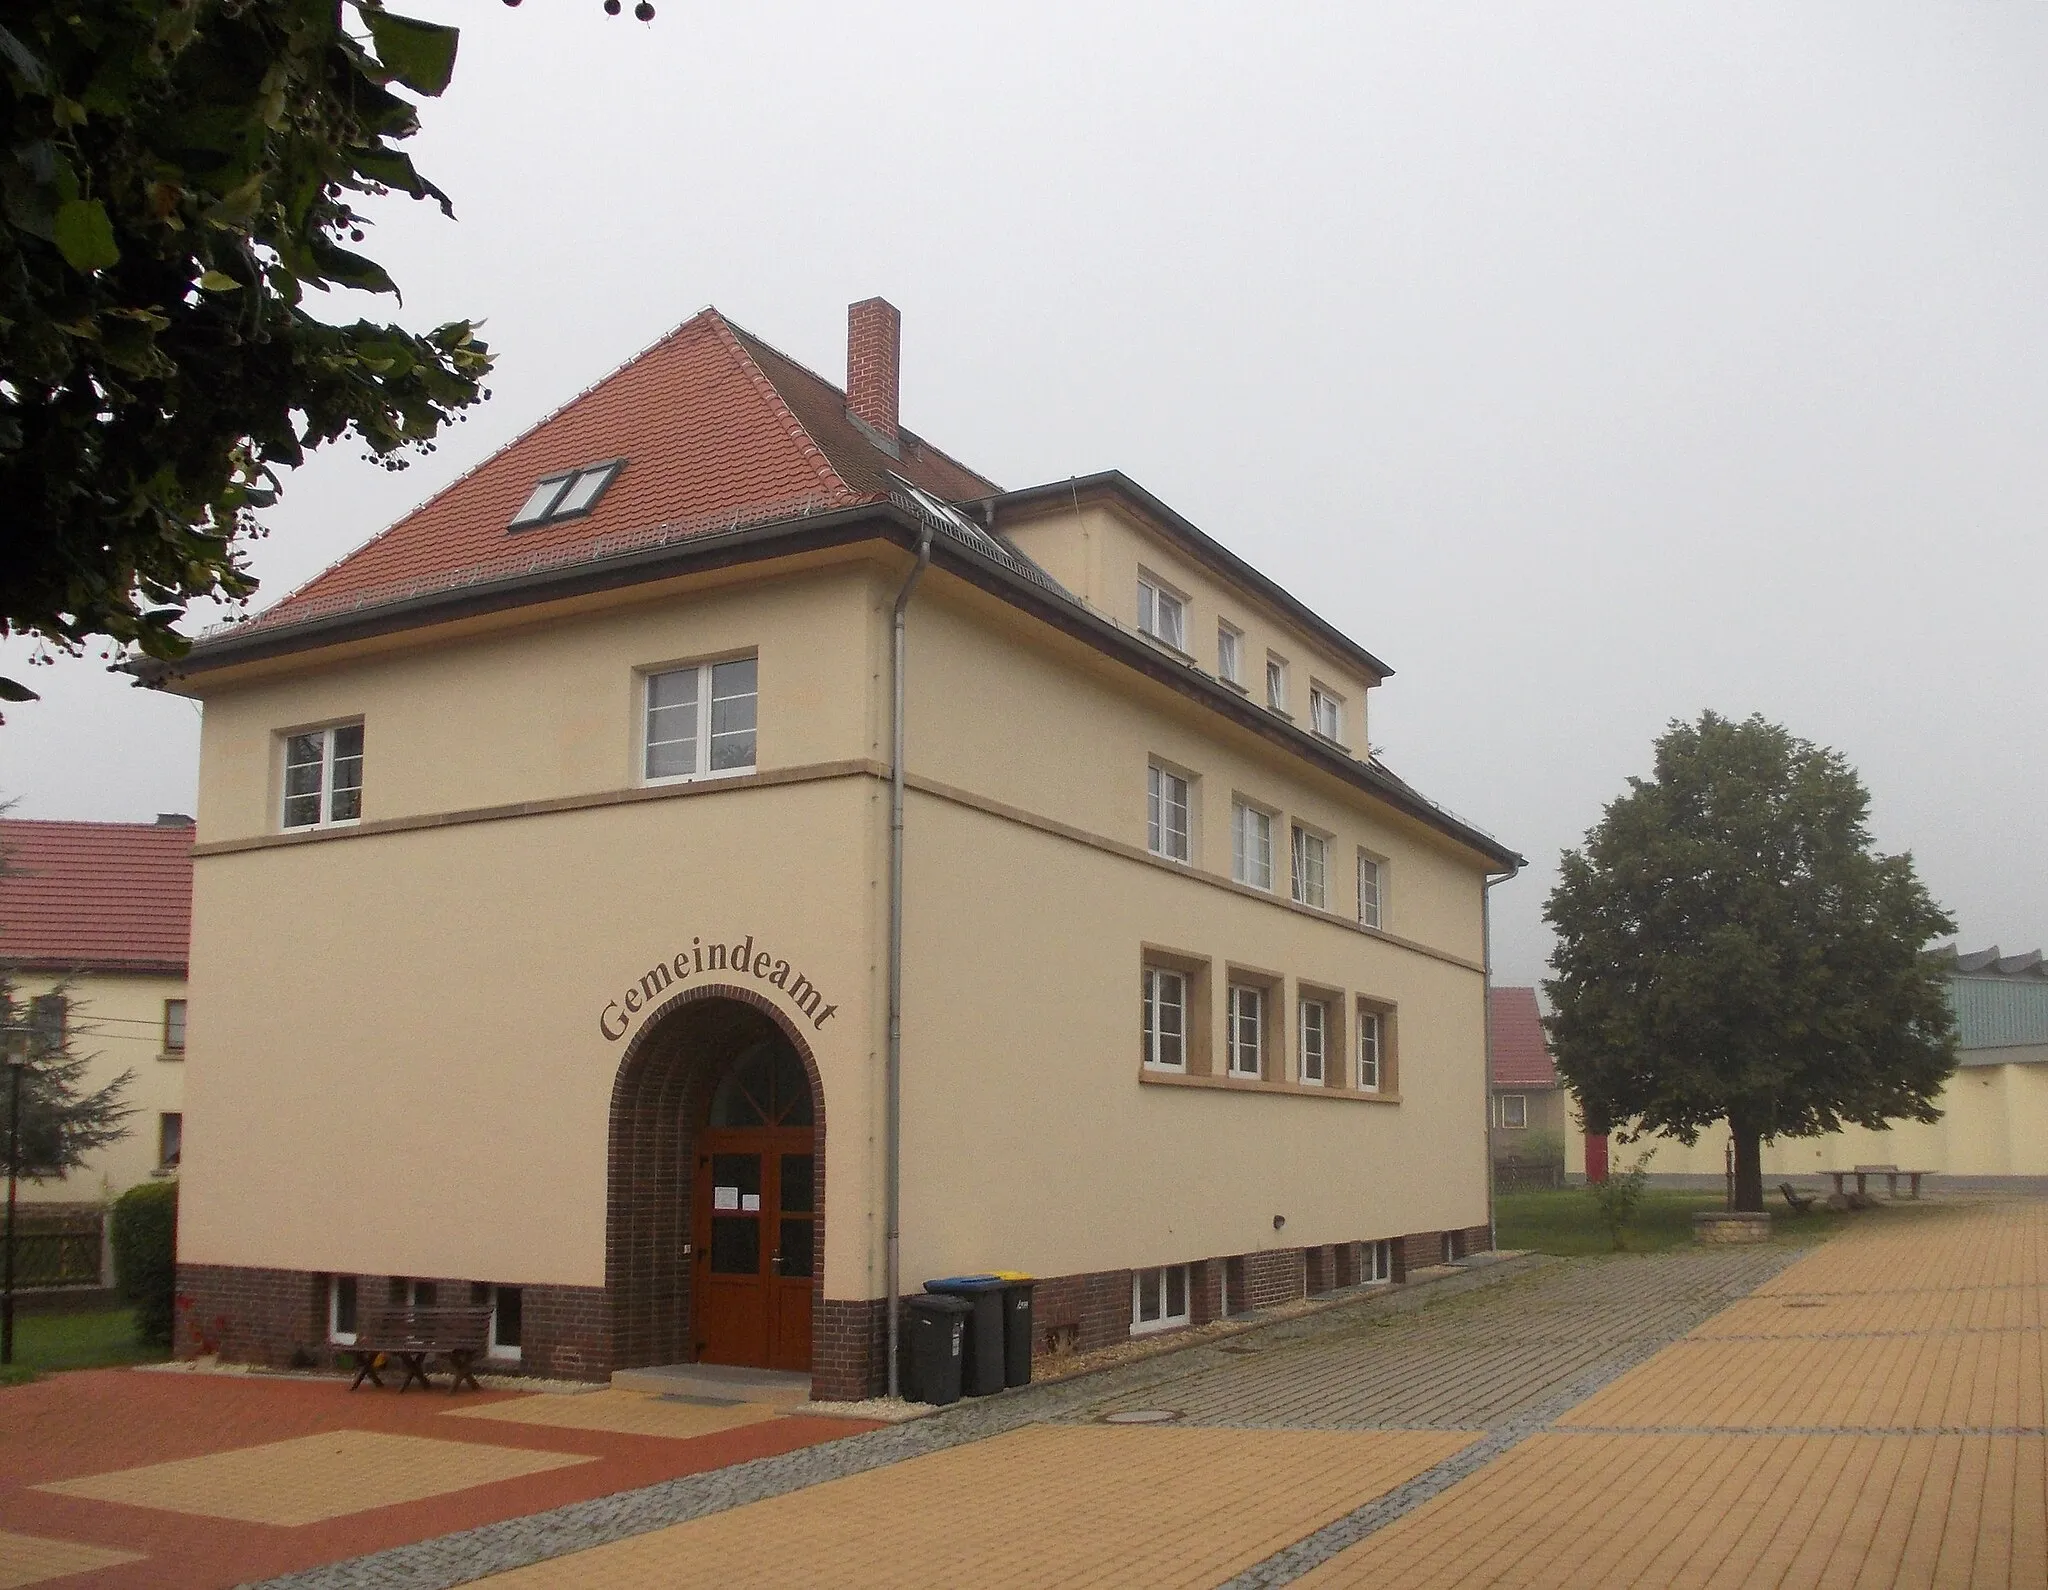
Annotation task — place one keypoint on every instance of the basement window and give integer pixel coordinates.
(1159, 1299)
(567, 496)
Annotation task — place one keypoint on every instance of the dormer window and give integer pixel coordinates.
(567, 496)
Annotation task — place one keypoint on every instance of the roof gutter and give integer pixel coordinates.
(883, 519)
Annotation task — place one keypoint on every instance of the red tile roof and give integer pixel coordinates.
(717, 429)
(95, 896)
(1521, 1054)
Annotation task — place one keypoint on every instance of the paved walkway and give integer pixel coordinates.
(1868, 1412)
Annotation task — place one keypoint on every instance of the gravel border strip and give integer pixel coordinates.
(448, 1560)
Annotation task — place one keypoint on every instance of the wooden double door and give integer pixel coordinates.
(754, 1241)
(755, 1246)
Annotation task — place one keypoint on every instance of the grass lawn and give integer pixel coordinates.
(76, 1341)
(1567, 1222)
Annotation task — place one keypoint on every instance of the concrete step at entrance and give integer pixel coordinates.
(716, 1383)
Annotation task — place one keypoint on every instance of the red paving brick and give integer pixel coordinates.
(96, 1421)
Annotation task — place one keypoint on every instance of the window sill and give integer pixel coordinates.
(1158, 1327)
(172, 1056)
(1160, 643)
(1300, 1090)
(1280, 712)
(1332, 741)
(1238, 685)
(699, 778)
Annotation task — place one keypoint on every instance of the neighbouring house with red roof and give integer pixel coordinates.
(1528, 1103)
(95, 922)
(723, 862)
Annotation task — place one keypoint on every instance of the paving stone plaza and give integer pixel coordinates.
(1868, 1411)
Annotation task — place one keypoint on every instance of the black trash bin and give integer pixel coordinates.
(1017, 1341)
(938, 1327)
(981, 1375)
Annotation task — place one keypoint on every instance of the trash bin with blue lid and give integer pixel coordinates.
(938, 1328)
(981, 1375)
(1017, 1339)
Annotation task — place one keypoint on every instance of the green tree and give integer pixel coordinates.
(62, 1122)
(179, 176)
(1731, 947)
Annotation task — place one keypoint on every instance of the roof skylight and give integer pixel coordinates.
(568, 496)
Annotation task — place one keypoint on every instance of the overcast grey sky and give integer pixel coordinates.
(1591, 364)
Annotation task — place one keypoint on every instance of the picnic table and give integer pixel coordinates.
(1890, 1173)
(412, 1335)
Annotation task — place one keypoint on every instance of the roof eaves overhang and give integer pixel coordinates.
(1116, 483)
(90, 966)
(707, 550)
(889, 520)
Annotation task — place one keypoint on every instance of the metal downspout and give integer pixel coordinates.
(893, 1062)
(1486, 958)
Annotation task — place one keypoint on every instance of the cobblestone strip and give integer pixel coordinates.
(449, 1560)
(1284, 1567)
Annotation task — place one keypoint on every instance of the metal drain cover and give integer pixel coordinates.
(1142, 1416)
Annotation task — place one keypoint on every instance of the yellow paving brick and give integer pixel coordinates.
(1666, 1512)
(31, 1559)
(314, 1477)
(1988, 1308)
(1983, 1379)
(622, 1413)
(1042, 1506)
(1934, 1249)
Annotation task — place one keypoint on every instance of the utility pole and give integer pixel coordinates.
(16, 1039)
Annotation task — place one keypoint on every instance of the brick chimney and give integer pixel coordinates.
(874, 336)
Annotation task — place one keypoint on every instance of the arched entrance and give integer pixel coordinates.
(714, 1223)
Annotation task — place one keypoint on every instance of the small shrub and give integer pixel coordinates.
(1620, 1195)
(145, 1238)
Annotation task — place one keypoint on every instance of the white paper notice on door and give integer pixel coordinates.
(750, 1203)
(726, 1198)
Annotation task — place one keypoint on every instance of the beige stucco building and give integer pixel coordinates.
(542, 928)
(1994, 1110)
(94, 920)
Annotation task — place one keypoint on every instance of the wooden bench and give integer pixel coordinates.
(1890, 1173)
(413, 1335)
(1800, 1202)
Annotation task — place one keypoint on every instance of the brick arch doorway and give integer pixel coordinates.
(714, 1228)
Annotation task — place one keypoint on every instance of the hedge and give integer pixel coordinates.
(145, 1238)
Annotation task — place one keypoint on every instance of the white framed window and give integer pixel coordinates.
(341, 1309)
(1229, 653)
(1311, 868)
(1372, 889)
(1314, 1040)
(323, 777)
(1371, 1038)
(1326, 713)
(1166, 813)
(1514, 1110)
(1159, 1299)
(1276, 683)
(1247, 1031)
(1162, 614)
(567, 496)
(174, 1027)
(700, 721)
(1166, 1019)
(1251, 845)
(1376, 1259)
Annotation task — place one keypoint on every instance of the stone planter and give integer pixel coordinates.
(1724, 1227)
